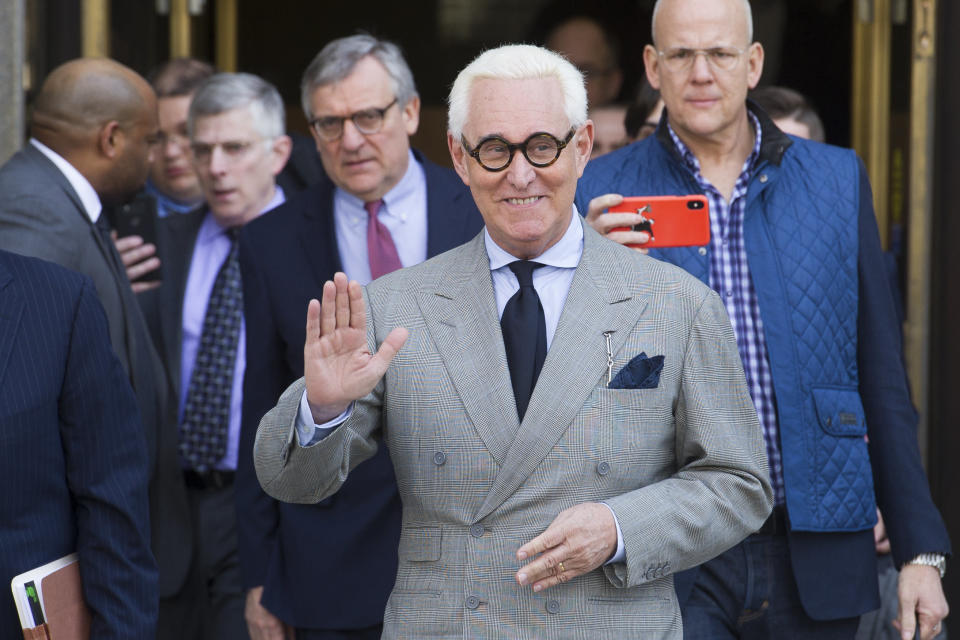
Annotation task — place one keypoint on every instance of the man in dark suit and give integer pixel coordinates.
(73, 462)
(327, 569)
(94, 130)
(236, 129)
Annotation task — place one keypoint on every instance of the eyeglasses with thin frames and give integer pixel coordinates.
(367, 122)
(680, 59)
(541, 150)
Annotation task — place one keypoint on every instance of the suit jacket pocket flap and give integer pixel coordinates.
(840, 411)
(420, 544)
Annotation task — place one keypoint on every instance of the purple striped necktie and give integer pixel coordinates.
(381, 252)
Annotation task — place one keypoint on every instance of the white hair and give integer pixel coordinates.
(518, 62)
(746, 9)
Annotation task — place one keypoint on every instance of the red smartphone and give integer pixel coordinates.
(671, 221)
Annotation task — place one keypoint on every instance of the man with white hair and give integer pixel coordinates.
(567, 419)
(795, 254)
(238, 146)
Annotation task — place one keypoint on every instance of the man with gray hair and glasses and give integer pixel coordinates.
(236, 126)
(795, 255)
(326, 569)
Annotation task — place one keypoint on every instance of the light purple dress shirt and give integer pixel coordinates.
(209, 252)
(404, 213)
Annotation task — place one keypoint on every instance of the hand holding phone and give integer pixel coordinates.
(138, 218)
(671, 221)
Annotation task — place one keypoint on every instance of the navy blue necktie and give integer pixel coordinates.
(524, 334)
(206, 411)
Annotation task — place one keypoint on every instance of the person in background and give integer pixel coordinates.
(173, 181)
(593, 49)
(792, 230)
(235, 125)
(790, 111)
(94, 134)
(643, 114)
(609, 128)
(380, 205)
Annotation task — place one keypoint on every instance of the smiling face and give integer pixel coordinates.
(237, 166)
(526, 209)
(704, 103)
(172, 172)
(365, 165)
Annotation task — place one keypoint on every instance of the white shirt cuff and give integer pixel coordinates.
(621, 554)
(309, 432)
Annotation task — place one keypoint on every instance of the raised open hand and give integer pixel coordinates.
(338, 366)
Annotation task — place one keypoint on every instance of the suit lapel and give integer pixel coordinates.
(55, 175)
(179, 238)
(461, 316)
(448, 208)
(11, 308)
(599, 300)
(318, 234)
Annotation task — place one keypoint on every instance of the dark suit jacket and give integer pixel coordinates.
(73, 461)
(331, 565)
(163, 310)
(42, 216)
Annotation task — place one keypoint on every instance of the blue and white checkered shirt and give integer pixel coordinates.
(730, 277)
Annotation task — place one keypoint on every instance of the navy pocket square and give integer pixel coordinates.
(640, 373)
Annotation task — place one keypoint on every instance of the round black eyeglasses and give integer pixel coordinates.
(541, 150)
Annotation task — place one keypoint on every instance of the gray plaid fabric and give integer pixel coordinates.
(682, 466)
(206, 411)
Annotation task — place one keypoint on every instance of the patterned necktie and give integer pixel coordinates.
(206, 412)
(381, 252)
(524, 335)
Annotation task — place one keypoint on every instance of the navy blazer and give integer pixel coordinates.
(73, 458)
(330, 565)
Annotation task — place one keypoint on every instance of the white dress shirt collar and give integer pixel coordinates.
(412, 181)
(88, 196)
(564, 254)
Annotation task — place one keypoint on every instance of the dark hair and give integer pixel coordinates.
(179, 77)
(640, 109)
(781, 102)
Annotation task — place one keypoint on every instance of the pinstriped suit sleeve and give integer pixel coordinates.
(106, 464)
(711, 502)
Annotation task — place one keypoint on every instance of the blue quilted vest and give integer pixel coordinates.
(800, 231)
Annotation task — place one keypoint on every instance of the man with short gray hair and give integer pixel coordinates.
(238, 146)
(327, 569)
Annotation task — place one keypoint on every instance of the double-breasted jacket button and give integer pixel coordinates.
(477, 530)
(472, 602)
(439, 458)
(553, 606)
(603, 468)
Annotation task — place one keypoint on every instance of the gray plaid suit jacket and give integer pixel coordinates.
(681, 465)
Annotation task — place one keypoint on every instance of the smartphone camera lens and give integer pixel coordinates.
(695, 204)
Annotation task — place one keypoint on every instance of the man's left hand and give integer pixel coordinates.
(579, 540)
(921, 601)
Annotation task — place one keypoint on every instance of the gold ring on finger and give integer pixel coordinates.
(560, 566)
